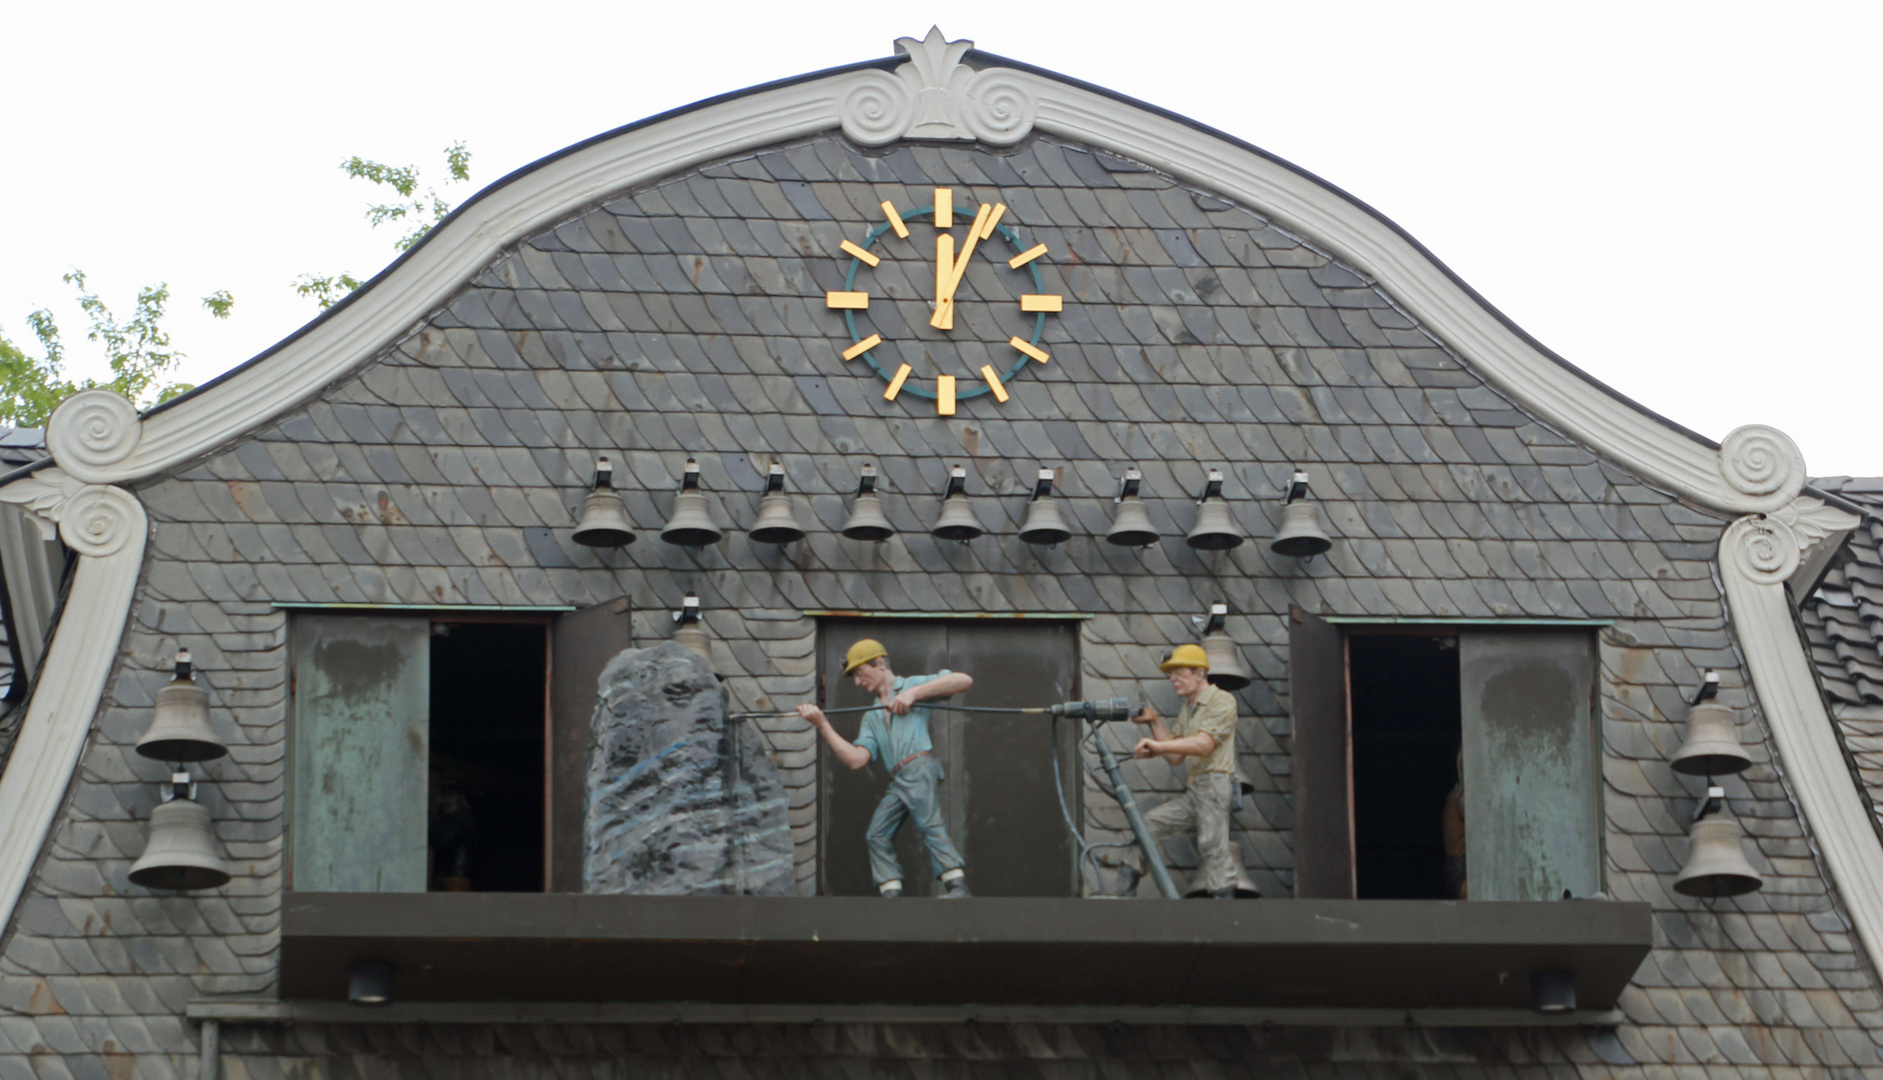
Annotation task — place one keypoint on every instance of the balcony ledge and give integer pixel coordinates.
(780, 954)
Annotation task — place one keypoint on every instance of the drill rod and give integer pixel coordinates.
(1153, 858)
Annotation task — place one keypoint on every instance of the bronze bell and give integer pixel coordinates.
(1300, 535)
(866, 521)
(180, 729)
(1131, 525)
(777, 513)
(692, 522)
(1215, 528)
(182, 853)
(957, 521)
(1712, 744)
(1716, 864)
(688, 630)
(1044, 524)
(604, 521)
(1227, 668)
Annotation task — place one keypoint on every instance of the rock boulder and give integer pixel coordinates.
(681, 801)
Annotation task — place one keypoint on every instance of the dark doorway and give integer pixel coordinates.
(1406, 740)
(486, 821)
(1002, 809)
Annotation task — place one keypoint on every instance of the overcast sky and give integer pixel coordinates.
(1678, 198)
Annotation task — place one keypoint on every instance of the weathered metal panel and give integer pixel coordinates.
(1532, 818)
(361, 743)
(581, 644)
(998, 799)
(1323, 762)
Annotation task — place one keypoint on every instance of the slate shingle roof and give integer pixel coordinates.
(687, 317)
(1843, 624)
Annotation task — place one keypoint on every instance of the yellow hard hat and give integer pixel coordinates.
(862, 653)
(1186, 656)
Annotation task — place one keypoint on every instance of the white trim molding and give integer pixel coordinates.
(935, 94)
(108, 528)
(1757, 554)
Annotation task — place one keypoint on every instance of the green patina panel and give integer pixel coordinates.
(361, 739)
(1532, 815)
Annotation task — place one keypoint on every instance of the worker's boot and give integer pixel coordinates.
(1224, 894)
(956, 889)
(890, 890)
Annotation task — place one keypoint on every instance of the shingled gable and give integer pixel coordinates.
(605, 298)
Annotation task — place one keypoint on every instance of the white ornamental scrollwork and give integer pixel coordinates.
(1000, 108)
(91, 431)
(1767, 547)
(877, 109)
(42, 494)
(92, 519)
(936, 96)
(1763, 464)
(1764, 550)
(99, 520)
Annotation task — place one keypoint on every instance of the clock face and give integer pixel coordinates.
(936, 245)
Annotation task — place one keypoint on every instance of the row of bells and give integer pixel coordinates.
(604, 523)
(1716, 863)
(182, 853)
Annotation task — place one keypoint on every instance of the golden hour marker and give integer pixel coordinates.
(993, 382)
(863, 346)
(856, 252)
(1030, 350)
(993, 219)
(856, 301)
(944, 208)
(895, 220)
(1027, 256)
(1042, 302)
(945, 395)
(895, 384)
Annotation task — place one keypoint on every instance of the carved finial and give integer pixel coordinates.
(936, 96)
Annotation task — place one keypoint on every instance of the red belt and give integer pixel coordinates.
(911, 757)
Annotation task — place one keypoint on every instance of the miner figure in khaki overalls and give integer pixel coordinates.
(1205, 733)
(896, 733)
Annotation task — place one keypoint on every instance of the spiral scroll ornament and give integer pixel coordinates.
(91, 431)
(877, 109)
(99, 520)
(1000, 108)
(1763, 464)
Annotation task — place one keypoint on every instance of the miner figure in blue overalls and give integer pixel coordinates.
(896, 733)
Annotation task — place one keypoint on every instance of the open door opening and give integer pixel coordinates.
(1406, 741)
(486, 820)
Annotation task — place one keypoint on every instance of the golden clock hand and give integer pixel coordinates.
(944, 317)
(944, 266)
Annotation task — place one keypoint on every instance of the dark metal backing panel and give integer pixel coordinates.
(1533, 821)
(581, 644)
(1006, 814)
(1323, 767)
(1331, 953)
(998, 799)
